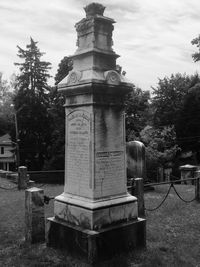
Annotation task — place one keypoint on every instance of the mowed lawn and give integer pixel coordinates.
(173, 232)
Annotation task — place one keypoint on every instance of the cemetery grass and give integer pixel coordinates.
(173, 232)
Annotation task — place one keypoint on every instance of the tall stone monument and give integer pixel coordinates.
(95, 216)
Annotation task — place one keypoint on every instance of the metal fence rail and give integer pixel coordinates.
(171, 182)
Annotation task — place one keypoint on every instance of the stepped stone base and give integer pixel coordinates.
(99, 245)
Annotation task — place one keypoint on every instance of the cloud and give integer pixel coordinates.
(152, 37)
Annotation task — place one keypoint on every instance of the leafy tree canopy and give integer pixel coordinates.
(196, 55)
(64, 67)
(137, 112)
(161, 147)
(6, 110)
(168, 97)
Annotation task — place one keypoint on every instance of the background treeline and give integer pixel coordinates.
(167, 121)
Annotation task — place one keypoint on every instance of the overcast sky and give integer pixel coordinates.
(153, 37)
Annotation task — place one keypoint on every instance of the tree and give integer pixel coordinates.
(169, 97)
(188, 125)
(31, 105)
(161, 146)
(196, 55)
(64, 67)
(56, 152)
(137, 112)
(6, 111)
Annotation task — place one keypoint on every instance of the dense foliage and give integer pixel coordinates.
(188, 124)
(196, 55)
(64, 67)
(56, 151)
(6, 109)
(137, 112)
(168, 97)
(161, 146)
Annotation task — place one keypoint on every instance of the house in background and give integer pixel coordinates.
(7, 153)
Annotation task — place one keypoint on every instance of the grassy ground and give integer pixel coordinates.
(173, 232)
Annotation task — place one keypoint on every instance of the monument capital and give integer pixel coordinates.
(94, 61)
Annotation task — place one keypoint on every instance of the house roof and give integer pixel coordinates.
(5, 140)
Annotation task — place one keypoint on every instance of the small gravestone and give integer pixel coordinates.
(95, 217)
(136, 160)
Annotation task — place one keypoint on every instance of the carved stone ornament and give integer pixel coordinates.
(74, 77)
(112, 77)
(94, 9)
(84, 25)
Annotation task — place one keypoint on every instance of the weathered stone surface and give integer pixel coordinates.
(136, 160)
(95, 167)
(95, 31)
(99, 245)
(94, 60)
(34, 215)
(139, 193)
(96, 215)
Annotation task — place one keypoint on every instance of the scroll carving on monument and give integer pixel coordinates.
(112, 77)
(74, 77)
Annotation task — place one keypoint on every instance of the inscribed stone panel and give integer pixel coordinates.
(78, 153)
(109, 173)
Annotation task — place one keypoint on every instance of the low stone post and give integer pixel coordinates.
(139, 193)
(197, 186)
(34, 215)
(187, 171)
(22, 177)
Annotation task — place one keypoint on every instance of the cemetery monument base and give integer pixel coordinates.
(96, 245)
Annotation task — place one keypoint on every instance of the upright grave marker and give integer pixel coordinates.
(95, 216)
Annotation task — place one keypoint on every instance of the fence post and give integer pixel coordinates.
(34, 215)
(22, 177)
(139, 193)
(197, 186)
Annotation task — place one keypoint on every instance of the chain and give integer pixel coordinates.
(47, 199)
(171, 185)
(7, 188)
(42, 185)
(186, 201)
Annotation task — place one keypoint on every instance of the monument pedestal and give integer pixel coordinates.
(96, 230)
(96, 245)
